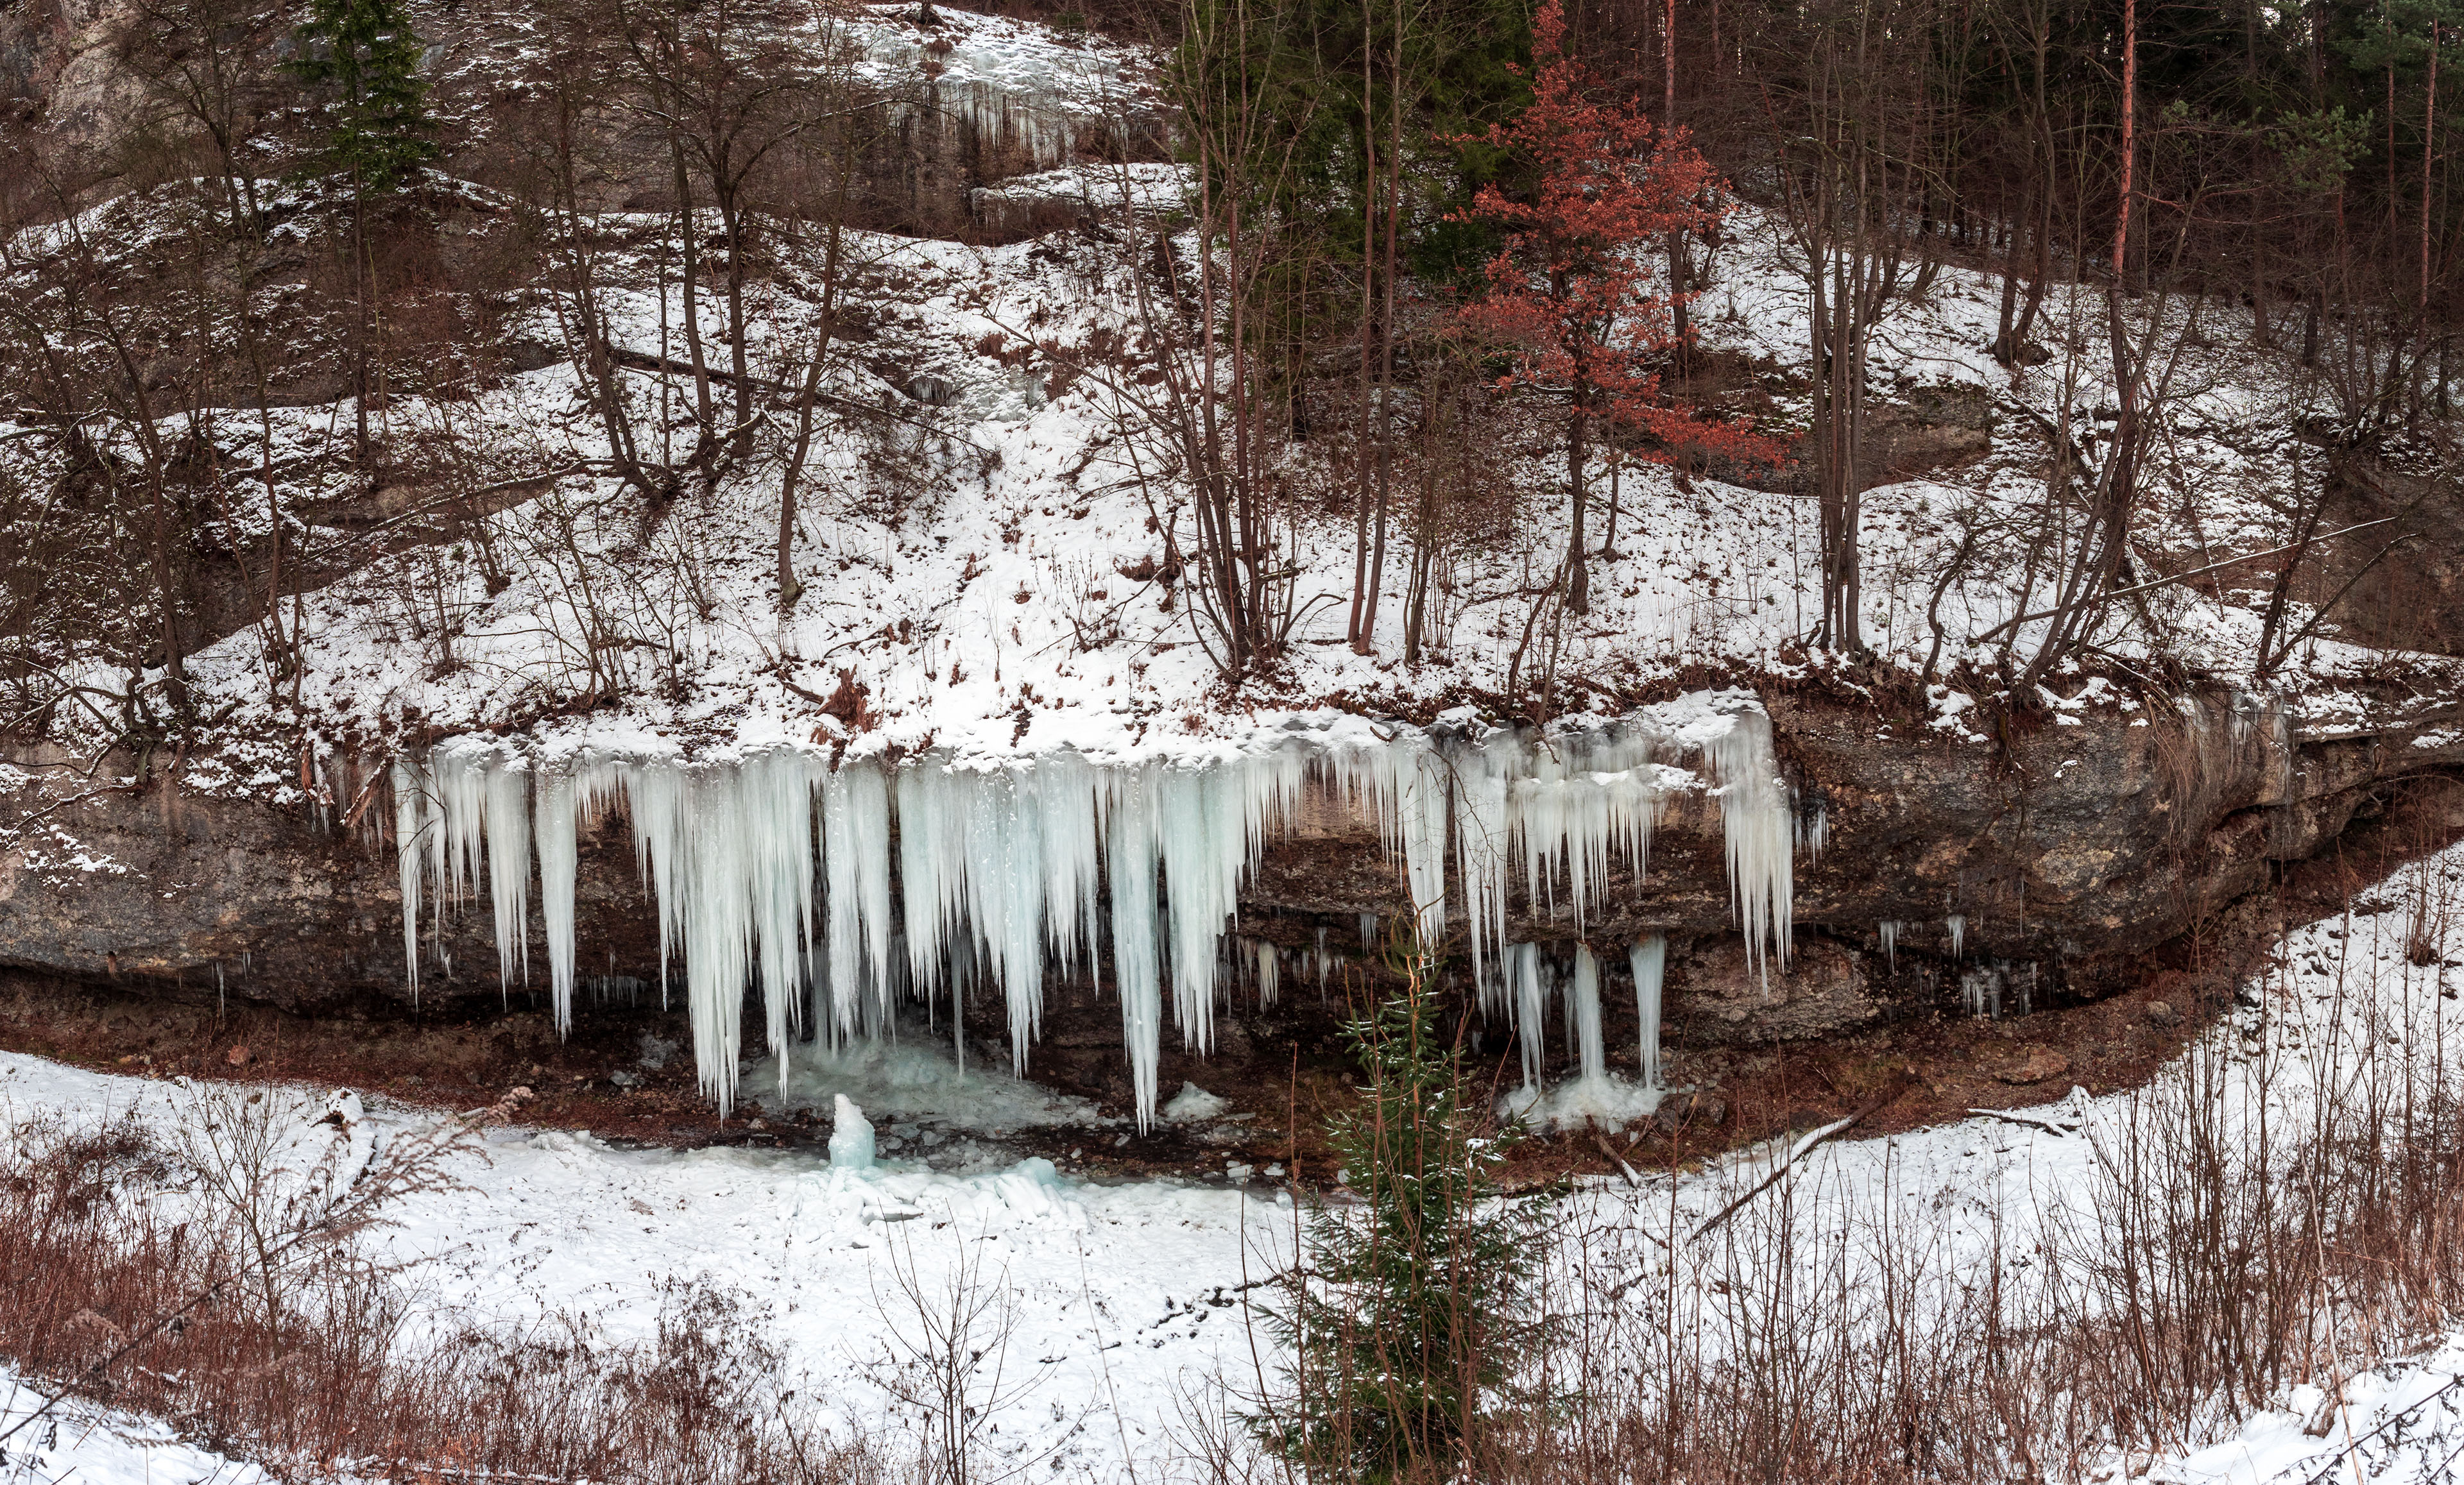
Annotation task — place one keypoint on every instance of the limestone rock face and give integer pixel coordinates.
(2055, 865)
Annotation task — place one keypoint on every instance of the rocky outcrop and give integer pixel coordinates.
(2012, 875)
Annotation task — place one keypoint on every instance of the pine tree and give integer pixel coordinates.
(375, 127)
(374, 131)
(1414, 1311)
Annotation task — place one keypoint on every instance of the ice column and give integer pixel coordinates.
(851, 1137)
(1755, 818)
(509, 868)
(1530, 992)
(559, 829)
(855, 855)
(1650, 961)
(1131, 848)
(410, 795)
(1587, 1014)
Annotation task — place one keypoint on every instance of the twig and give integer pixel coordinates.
(1796, 1152)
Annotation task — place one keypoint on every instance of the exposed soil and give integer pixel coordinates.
(1288, 1070)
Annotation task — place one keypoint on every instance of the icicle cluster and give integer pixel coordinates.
(776, 871)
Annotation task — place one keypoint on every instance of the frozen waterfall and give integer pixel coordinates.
(776, 871)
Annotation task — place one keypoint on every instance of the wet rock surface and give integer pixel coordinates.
(2060, 862)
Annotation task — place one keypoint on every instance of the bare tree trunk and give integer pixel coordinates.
(1677, 265)
(790, 586)
(1578, 578)
(691, 237)
(1386, 332)
(1362, 612)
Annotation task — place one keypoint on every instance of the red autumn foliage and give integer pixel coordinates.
(1572, 297)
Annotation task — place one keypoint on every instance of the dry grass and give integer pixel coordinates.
(2246, 1222)
(311, 1362)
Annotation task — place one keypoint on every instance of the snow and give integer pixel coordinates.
(80, 1442)
(1193, 1105)
(1125, 1294)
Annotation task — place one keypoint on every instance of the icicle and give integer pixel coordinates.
(1587, 1014)
(1956, 925)
(1889, 930)
(1001, 866)
(1483, 829)
(509, 868)
(1755, 817)
(1650, 962)
(1211, 824)
(1071, 807)
(460, 773)
(410, 824)
(1404, 782)
(1368, 932)
(1813, 834)
(1136, 971)
(855, 850)
(557, 827)
(1005, 867)
(1531, 1008)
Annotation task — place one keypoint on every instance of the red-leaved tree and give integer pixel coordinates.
(1572, 297)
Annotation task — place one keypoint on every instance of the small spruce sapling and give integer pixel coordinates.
(1414, 1314)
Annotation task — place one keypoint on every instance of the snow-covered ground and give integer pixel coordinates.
(76, 1443)
(1124, 1301)
(982, 560)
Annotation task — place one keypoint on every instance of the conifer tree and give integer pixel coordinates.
(373, 131)
(365, 57)
(1413, 1311)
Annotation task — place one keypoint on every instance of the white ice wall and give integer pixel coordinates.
(774, 869)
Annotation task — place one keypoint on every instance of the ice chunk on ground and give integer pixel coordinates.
(850, 1138)
(911, 1080)
(1193, 1103)
(1608, 1100)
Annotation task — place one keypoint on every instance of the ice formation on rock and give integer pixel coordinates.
(1587, 1013)
(852, 1137)
(1888, 930)
(775, 870)
(1956, 925)
(1650, 961)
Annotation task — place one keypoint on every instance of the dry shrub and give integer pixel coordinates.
(314, 1367)
(2245, 1223)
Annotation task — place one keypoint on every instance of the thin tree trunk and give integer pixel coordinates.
(1386, 331)
(1578, 580)
(691, 237)
(1357, 630)
(1677, 266)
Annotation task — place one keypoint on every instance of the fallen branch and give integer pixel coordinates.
(1795, 1153)
(1615, 1159)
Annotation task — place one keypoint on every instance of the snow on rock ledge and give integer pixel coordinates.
(775, 869)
